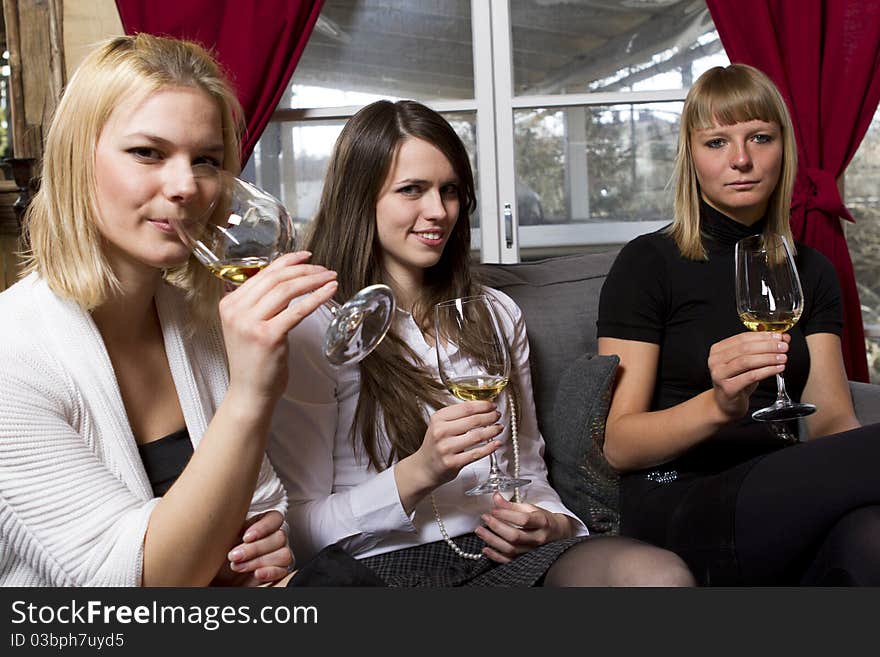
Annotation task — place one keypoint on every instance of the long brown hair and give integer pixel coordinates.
(728, 95)
(343, 237)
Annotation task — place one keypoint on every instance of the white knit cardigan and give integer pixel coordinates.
(75, 499)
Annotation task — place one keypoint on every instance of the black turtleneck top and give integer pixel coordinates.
(653, 294)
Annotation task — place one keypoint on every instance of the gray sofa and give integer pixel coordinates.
(559, 298)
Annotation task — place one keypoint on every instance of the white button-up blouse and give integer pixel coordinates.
(335, 495)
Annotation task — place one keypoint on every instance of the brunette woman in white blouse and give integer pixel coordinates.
(365, 449)
(131, 449)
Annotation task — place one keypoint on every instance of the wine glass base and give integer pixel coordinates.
(783, 412)
(359, 325)
(497, 484)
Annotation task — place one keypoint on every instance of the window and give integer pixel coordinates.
(863, 237)
(569, 108)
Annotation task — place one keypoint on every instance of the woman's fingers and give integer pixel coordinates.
(262, 525)
(457, 460)
(748, 344)
(271, 551)
(270, 574)
(465, 410)
(461, 426)
(752, 377)
(744, 359)
(745, 364)
(501, 538)
(289, 284)
(304, 306)
(516, 516)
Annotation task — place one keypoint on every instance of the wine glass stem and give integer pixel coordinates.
(781, 394)
(493, 465)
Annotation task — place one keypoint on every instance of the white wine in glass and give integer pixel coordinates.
(243, 228)
(477, 388)
(474, 364)
(769, 298)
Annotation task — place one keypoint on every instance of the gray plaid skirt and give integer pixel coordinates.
(436, 565)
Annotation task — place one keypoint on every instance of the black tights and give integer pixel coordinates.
(810, 514)
(618, 561)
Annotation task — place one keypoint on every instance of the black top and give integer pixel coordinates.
(165, 459)
(653, 294)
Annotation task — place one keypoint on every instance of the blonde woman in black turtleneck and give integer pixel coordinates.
(700, 476)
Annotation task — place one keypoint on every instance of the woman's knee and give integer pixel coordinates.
(619, 561)
(647, 565)
(850, 553)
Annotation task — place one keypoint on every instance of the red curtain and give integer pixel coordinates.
(824, 55)
(259, 42)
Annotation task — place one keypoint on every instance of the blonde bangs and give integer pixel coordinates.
(724, 102)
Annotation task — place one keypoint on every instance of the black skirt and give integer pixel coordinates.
(692, 514)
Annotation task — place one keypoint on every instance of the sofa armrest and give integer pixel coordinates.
(866, 400)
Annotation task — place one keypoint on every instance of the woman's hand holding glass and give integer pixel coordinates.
(769, 297)
(738, 363)
(457, 435)
(514, 528)
(474, 364)
(236, 230)
(257, 317)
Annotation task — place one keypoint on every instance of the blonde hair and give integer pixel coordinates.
(728, 95)
(63, 243)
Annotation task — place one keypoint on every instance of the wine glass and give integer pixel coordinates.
(242, 228)
(474, 364)
(769, 298)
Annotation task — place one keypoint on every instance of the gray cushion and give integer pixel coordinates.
(575, 437)
(559, 298)
(866, 400)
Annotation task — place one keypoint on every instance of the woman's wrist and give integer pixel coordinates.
(718, 414)
(412, 483)
(565, 526)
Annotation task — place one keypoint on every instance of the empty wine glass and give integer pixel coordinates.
(243, 228)
(474, 364)
(769, 298)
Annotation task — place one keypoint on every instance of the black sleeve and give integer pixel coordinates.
(633, 301)
(823, 305)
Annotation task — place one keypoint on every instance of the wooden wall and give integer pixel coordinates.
(9, 264)
(36, 60)
(46, 40)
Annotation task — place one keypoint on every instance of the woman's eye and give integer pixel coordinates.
(145, 153)
(212, 161)
(409, 190)
(715, 143)
(762, 139)
(450, 190)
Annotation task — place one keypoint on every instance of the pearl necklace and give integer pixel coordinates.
(516, 496)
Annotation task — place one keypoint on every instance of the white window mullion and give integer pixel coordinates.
(502, 50)
(490, 232)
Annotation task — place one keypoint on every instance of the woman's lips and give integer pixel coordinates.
(163, 225)
(430, 237)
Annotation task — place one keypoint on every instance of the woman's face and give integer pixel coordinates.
(738, 167)
(416, 210)
(144, 174)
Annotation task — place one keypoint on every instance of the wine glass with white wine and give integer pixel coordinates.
(474, 364)
(769, 298)
(243, 228)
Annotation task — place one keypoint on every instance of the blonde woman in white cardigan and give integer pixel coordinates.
(112, 344)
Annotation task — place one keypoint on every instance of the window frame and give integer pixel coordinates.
(494, 102)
